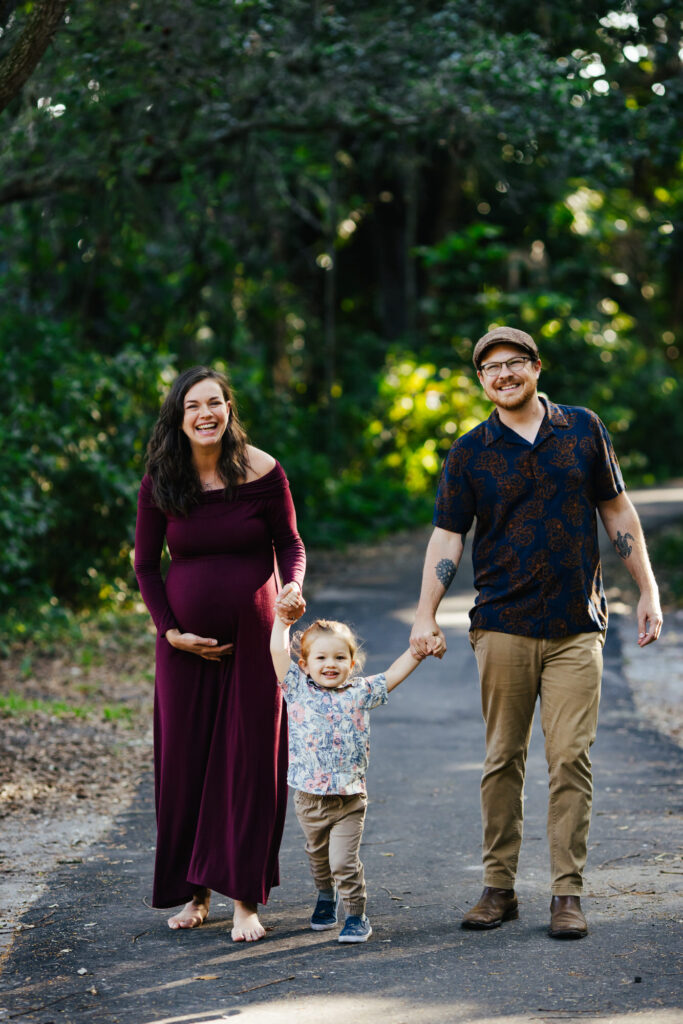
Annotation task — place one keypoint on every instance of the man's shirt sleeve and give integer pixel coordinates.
(455, 506)
(608, 479)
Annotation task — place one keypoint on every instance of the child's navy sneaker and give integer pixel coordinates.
(325, 914)
(356, 929)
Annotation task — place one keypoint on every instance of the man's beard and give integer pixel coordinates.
(515, 403)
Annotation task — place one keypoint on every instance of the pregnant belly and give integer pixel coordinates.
(208, 596)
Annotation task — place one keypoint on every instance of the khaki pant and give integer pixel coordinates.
(566, 674)
(333, 826)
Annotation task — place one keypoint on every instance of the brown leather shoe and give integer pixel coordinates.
(494, 907)
(566, 918)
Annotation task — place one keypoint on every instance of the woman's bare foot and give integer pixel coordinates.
(193, 913)
(246, 926)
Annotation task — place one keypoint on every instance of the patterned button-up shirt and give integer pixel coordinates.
(535, 551)
(329, 732)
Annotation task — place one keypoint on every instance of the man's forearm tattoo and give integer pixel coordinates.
(445, 572)
(621, 544)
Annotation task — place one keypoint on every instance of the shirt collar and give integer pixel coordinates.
(554, 417)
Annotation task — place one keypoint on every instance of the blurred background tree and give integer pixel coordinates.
(332, 200)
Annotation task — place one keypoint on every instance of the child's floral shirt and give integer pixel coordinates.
(329, 732)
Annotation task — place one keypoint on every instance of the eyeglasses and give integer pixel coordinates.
(516, 365)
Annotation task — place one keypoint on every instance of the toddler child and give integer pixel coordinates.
(329, 747)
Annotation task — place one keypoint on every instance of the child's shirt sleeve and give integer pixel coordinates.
(293, 681)
(373, 691)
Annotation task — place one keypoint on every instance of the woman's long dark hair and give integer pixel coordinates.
(176, 484)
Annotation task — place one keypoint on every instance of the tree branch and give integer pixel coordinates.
(166, 168)
(29, 48)
(22, 189)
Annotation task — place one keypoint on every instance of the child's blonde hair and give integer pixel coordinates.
(303, 642)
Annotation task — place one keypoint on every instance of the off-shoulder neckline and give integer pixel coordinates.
(247, 483)
(264, 476)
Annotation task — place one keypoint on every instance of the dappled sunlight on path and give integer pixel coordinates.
(353, 1009)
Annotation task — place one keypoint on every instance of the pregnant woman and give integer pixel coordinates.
(220, 730)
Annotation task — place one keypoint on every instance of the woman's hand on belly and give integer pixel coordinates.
(205, 647)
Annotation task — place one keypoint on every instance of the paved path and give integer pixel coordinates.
(91, 951)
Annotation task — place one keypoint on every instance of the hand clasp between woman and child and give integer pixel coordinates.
(290, 604)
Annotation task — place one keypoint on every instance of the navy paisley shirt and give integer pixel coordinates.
(535, 552)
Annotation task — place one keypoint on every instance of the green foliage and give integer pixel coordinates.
(15, 705)
(28, 621)
(593, 338)
(71, 449)
(333, 202)
(422, 409)
(666, 552)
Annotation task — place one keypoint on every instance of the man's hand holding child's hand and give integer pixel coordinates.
(433, 646)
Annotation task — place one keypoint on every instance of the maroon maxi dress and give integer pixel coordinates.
(220, 728)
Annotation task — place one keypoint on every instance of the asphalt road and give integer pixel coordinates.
(92, 952)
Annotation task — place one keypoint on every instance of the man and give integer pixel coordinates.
(533, 475)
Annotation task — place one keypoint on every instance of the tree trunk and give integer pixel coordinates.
(410, 192)
(330, 299)
(29, 48)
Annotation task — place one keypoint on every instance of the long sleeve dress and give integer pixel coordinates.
(220, 728)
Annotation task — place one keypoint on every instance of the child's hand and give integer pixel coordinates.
(427, 638)
(290, 604)
(286, 617)
(436, 648)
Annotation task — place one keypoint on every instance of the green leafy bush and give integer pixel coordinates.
(72, 436)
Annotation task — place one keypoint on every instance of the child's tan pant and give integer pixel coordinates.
(333, 826)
